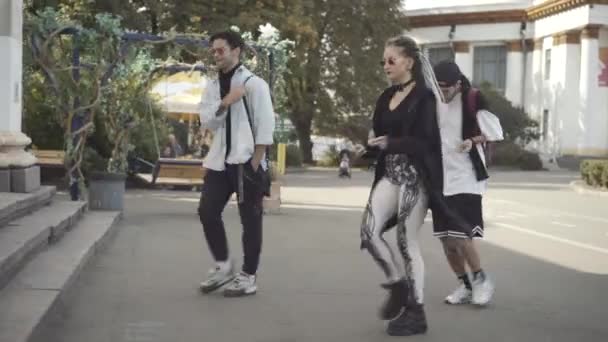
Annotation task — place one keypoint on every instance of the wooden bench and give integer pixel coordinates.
(50, 158)
(175, 172)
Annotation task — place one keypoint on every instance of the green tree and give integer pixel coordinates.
(333, 79)
(335, 75)
(515, 122)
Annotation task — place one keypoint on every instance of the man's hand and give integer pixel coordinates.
(233, 96)
(255, 164)
(380, 142)
(466, 146)
(256, 160)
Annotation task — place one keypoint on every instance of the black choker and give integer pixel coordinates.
(402, 86)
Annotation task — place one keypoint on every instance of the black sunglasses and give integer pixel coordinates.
(390, 61)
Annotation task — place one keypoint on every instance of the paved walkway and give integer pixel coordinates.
(547, 248)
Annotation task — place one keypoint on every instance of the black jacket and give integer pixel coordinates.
(472, 102)
(418, 136)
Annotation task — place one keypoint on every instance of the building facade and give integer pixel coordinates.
(12, 140)
(549, 57)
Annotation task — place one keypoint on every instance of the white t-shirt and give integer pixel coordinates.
(458, 172)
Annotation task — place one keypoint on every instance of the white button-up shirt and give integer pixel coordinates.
(242, 138)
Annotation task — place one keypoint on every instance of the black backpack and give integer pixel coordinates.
(472, 101)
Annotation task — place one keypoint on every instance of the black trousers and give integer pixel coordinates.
(218, 187)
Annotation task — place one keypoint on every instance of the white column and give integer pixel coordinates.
(566, 68)
(12, 140)
(593, 118)
(535, 82)
(10, 65)
(515, 69)
(553, 94)
(463, 56)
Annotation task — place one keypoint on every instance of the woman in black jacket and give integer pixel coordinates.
(408, 180)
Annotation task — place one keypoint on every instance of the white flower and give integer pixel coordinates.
(268, 33)
(235, 28)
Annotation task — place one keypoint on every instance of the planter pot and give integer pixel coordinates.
(106, 191)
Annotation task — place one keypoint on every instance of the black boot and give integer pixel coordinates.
(412, 321)
(397, 297)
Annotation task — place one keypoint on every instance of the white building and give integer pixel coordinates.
(12, 140)
(549, 56)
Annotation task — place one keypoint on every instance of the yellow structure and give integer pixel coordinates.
(281, 158)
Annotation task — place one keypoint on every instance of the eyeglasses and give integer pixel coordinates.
(390, 61)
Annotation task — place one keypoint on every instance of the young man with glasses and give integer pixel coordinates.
(237, 108)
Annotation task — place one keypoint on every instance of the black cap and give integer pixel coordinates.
(447, 73)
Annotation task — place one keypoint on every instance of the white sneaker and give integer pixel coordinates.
(483, 290)
(243, 285)
(217, 278)
(461, 295)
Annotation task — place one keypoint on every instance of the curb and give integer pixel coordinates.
(580, 187)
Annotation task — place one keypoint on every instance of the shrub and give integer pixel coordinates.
(585, 174)
(331, 157)
(510, 154)
(595, 172)
(515, 122)
(40, 120)
(506, 154)
(605, 174)
(530, 161)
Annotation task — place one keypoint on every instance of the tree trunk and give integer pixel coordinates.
(303, 130)
(154, 23)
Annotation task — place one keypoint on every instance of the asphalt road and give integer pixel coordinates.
(546, 248)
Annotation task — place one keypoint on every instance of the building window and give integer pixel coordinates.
(490, 65)
(545, 127)
(548, 64)
(439, 54)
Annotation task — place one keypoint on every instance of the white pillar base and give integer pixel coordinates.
(12, 153)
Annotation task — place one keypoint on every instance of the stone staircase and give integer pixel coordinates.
(45, 242)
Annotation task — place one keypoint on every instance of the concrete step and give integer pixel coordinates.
(14, 205)
(39, 287)
(22, 238)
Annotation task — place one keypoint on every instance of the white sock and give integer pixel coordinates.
(224, 265)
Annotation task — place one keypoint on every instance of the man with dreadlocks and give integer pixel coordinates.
(465, 126)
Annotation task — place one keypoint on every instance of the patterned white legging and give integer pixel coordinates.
(409, 201)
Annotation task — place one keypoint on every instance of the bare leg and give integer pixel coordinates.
(471, 255)
(454, 252)
(454, 249)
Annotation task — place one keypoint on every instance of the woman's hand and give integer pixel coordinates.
(380, 142)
